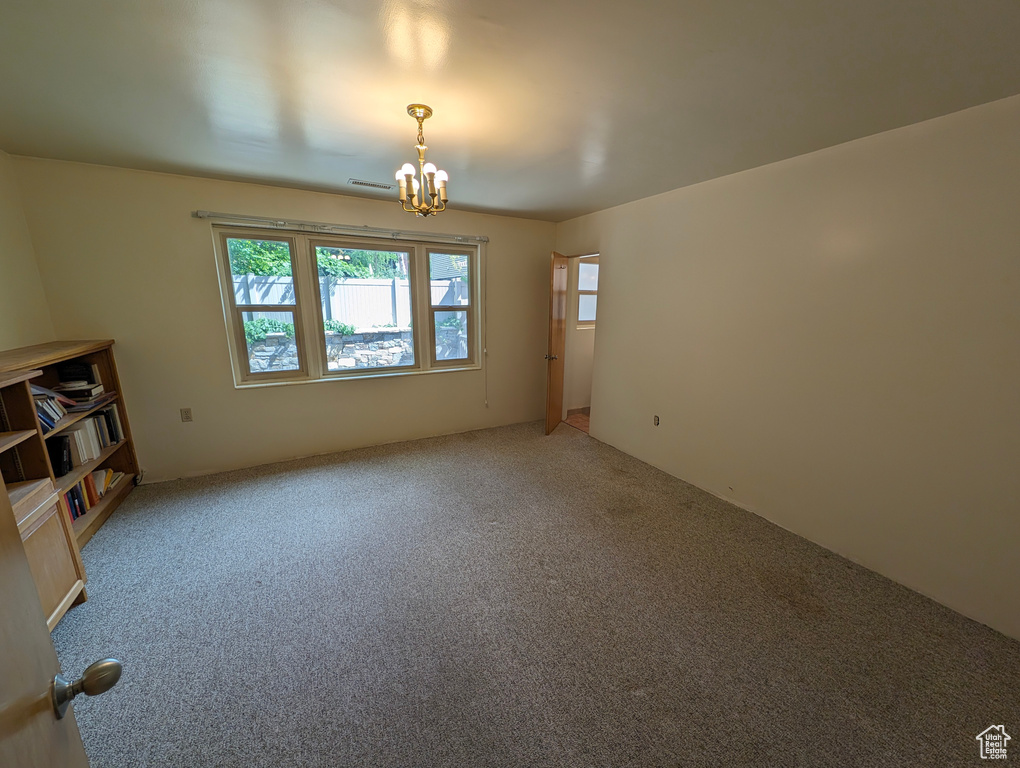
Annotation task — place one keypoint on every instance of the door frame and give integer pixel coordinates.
(559, 290)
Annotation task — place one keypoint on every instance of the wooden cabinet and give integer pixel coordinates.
(53, 557)
(39, 496)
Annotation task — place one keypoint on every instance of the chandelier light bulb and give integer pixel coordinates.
(442, 177)
(429, 168)
(407, 169)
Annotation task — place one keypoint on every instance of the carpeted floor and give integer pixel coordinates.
(500, 598)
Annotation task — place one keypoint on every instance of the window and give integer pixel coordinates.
(587, 290)
(311, 307)
(366, 305)
(264, 301)
(450, 303)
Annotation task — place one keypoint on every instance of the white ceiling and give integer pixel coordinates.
(546, 109)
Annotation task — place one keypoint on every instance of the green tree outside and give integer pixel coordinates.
(266, 258)
(271, 258)
(350, 262)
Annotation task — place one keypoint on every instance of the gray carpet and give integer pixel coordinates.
(499, 598)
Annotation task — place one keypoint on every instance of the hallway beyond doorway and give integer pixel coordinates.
(578, 418)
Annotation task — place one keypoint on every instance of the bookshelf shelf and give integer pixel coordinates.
(73, 418)
(9, 378)
(11, 439)
(41, 501)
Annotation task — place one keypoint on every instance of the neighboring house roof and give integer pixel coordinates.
(447, 266)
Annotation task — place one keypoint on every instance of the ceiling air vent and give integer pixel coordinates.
(372, 184)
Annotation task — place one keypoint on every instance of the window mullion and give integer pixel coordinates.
(423, 310)
(306, 275)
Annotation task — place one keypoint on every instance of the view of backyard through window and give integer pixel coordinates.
(263, 277)
(448, 275)
(366, 308)
(366, 298)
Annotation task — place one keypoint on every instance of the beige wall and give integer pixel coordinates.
(24, 312)
(833, 341)
(143, 272)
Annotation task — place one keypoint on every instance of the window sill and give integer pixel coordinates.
(354, 377)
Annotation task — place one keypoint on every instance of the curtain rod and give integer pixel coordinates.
(323, 227)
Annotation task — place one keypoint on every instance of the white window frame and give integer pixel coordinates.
(585, 260)
(308, 316)
(469, 308)
(413, 272)
(233, 312)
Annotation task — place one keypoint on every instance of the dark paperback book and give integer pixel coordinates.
(59, 448)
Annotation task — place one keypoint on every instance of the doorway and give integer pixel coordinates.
(572, 318)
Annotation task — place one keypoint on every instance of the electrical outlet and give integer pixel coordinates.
(655, 419)
(185, 414)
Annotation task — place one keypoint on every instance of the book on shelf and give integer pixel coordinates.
(78, 448)
(79, 492)
(38, 392)
(52, 408)
(75, 502)
(93, 436)
(118, 426)
(79, 391)
(100, 426)
(77, 371)
(49, 408)
(101, 478)
(91, 493)
(59, 449)
(88, 405)
(87, 492)
(88, 438)
(111, 417)
(45, 420)
(86, 441)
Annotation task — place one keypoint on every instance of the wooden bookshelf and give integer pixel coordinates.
(50, 353)
(40, 498)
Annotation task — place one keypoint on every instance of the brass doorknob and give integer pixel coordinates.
(98, 678)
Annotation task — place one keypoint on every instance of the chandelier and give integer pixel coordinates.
(427, 197)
